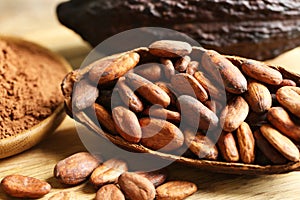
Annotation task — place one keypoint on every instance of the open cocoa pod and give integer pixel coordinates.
(253, 126)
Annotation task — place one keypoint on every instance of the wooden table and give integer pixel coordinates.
(35, 20)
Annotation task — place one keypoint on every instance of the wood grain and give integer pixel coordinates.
(35, 20)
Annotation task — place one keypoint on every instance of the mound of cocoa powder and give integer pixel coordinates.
(29, 86)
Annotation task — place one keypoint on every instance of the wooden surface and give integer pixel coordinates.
(35, 20)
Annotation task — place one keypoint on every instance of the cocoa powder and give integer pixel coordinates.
(29, 86)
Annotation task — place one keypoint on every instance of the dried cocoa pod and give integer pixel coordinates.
(284, 145)
(282, 121)
(234, 114)
(224, 72)
(62, 196)
(160, 135)
(192, 68)
(187, 84)
(136, 187)
(228, 147)
(85, 94)
(191, 108)
(24, 186)
(261, 72)
(127, 124)
(175, 190)
(163, 113)
(129, 97)
(75, 168)
(169, 69)
(182, 63)
(109, 192)
(213, 89)
(104, 118)
(267, 149)
(150, 71)
(200, 145)
(258, 97)
(148, 90)
(289, 97)
(107, 70)
(157, 177)
(246, 143)
(108, 172)
(170, 48)
(168, 89)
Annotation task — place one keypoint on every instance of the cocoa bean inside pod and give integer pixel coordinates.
(289, 97)
(170, 48)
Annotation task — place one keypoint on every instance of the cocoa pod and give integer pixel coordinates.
(200, 145)
(261, 72)
(188, 85)
(127, 124)
(228, 148)
(169, 69)
(191, 108)
(170, 48)
(224, 72)
(160, 135)
(109, 192)
(24, 186)
(234, 114)
(148, 90)
(284, 145)
(136, 187)
(175, 190)
(75, 168)
(129, 97)
(108, 70)
(104, 118)
(108, 172)
(157, 177)
(282, 121)
(258, 97)
(162, 113)
(182, 63)
(150, 71)
(246, 143)
(267, 149)
(289, 97)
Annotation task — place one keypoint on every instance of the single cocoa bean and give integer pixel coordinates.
(162, 113)
(192, 68)
(246, 143)
(109, 192)
(150, 71)
(228, 147)
(157, 177)
(168, 67)
(104, 118)
(182, 63)
(170, 48)
(289, 97)
(175, 190)
(168, 89)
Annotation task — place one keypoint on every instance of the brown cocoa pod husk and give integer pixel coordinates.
(192, 67)
(150, 71)
(24, 186)
(175, 190)
(136, 187)
(148, 90)
(267, 149)
(282, 121)
(157, 177)
(108, 172)
(246, 143)
(168, 68)
(160, 135)
(188, 85)
(234, 114)
(258, 97)
(182, 63)
(280, 142)
(104, 118)
(168, 89)
(127, 124)
(224, 72)
(289, 98)
(200, 145)
(109, 192)
(214, 90)
(261, 72)
(107, 70)
(228, 147)
(170, 48)
(192, 109)
(163, 113)
(128, 96)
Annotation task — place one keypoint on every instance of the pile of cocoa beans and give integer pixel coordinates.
(167, 96)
